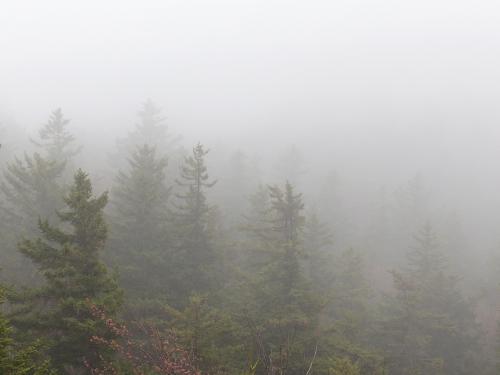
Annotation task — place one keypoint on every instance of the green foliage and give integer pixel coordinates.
(212, 336)
(283, 317)
(351, 297)
(348, 317)
(140, 234)
(75, 279)
(344, 366)
(318, 253)
(31, 188)
(258, 232)
(428, 326)
(56, 140)
(278, 297)
(194, 256)
(293, 264)
(239, 179)
(151, 130)
(17, 360)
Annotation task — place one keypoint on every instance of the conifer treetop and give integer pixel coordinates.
(55, 138)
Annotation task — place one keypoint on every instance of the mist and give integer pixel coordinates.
(375, 123)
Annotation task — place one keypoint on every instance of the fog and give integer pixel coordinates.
(376, 96)
(377, 90)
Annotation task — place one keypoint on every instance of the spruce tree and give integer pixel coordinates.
(68, 258)
(318, 250)
(216, 341)
(55, 139)
(283, 314)
(17, 360)
(151, 130)
(32, 187)
(344, 366)
(348, 319)
(428, 326)
(233, 192)
(194, 255)
(288, 224)
(140, 237)
(197, 272)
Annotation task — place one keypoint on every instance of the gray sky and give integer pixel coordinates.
(378, 86)
(229, 65)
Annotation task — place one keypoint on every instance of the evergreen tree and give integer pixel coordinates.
(194, 255)
(319, 253)
(60, 311)
(56, 140)
(257, 219)
(288, 225)
(140, 234)
(258, 234)
(348, 317)
(16, 360)
(151, 130)
(428, 326)
(213, 337)
(411, 208)
(344, 366)
(283, 315)
(211, 334)
(234, 190)
(32, 187)
(331, 209)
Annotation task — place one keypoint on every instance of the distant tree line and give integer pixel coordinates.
(155, 278)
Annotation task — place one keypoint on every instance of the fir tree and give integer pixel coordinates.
(139, 210)
(319, 253)
(213, 337)
(32, 187)
(151, 130)
(194, 254)
(258, 217)
(75, 279)
(331, 210)
(56, 140)
(344, 366)
(429, 327)
(348, 319)
(258, 235)
(235, 189)
(16, 360)
(283, 316)
(288, 224)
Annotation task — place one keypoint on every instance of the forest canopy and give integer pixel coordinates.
(163, 267)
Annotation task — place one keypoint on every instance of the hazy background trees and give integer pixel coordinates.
(245, 269)
(336, 131)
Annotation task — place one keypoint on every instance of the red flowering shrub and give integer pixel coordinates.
(154, 352)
